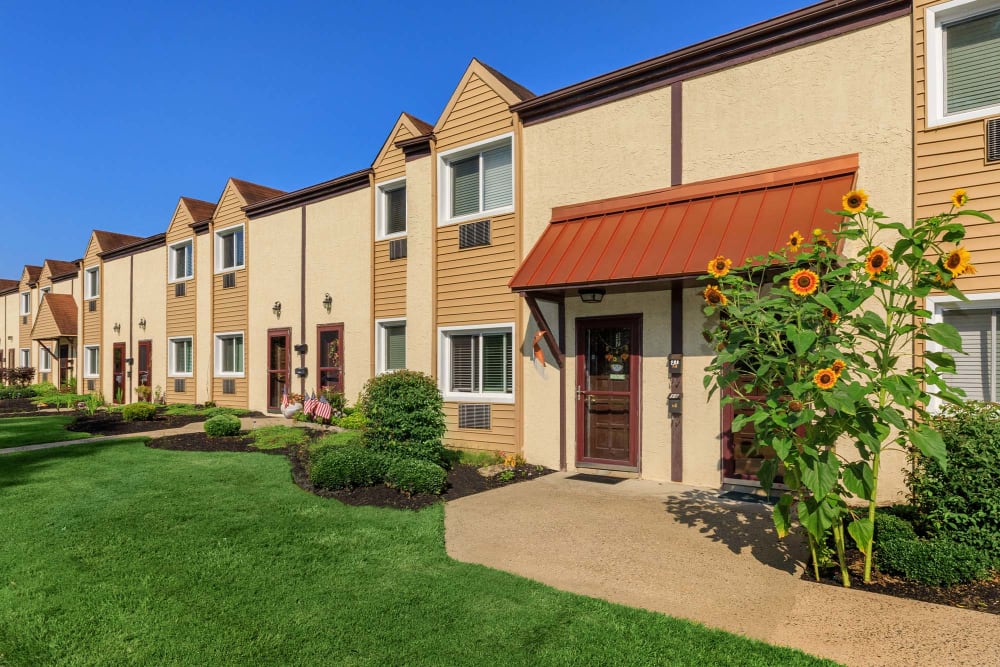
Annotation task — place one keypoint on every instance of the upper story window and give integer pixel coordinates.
(390, 209)
(92, 283)
(229, 249)
(477, 181)
(25, 303)
(963, 60)
(181, 261)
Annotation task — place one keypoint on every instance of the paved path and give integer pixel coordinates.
(683, 552)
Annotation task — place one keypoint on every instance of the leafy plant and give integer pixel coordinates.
(355, 421)
(221, 426)
(348, 467)
(138, 412)
(416, 476)
(119, 396)
(93, 402)
(823, 337)
(937, 562)
(404, 415)
(279, 437)
(143, 392)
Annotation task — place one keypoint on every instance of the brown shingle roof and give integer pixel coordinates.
(59, 268)
(56, 317)
(33, 272)
(254, 193)
(514, 86)
(111, 240)
(200, 210)
(8, 285)
(424, 128)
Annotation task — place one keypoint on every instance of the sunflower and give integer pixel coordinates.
(803, 282)
(795, 406)
(838, 366)
(959, 198)
(714, 296)
(855, 201)
(795, 241)
(821, 239)
(830, 316)
(825, 378)
(877, 262)
(957, 261)
(719, 266)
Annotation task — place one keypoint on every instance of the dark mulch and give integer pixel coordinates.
(11, 407)
(111, 423)
(202, 442)
(977, 595)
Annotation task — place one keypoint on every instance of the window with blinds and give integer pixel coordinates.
(395, 347)
(181, 356)
(229, 249)
(976, 366)
(972, 63)
(481, 363)
(391, 209)
(229, 354)
(482, 182)
(181, 261)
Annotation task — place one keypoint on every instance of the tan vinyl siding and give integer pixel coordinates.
(238, 400)
(501, 435)
(392, 162)
(182, 311)
(390, 283)
(229, 311)
(91, 320)
(479, 113)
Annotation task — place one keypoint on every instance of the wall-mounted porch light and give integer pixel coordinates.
(117, 327)
(592, 295)
(142, 323)
(276, 309)
(328, 302)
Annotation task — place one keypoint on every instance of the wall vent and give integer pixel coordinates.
(24, 319)
(229, 386)
(993, 140)
(92, 306)
(472, 415)
(228, 280)
(474, 234)
(397, 249)
(90, 385)
(179, 386)
(180, 289)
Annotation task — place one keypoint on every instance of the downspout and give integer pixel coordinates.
(131, 298)
(302, 305)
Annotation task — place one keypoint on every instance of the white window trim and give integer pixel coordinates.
(170, 260)
(86, 371)
(86, 283)
(935, 20)
(42, 291)
(44, 356)
(24, 355)
(219, 373)
(445, 159)
(219, 233)
(444, 363)
(170, 357)
(937, 305)
(380, 326)
(380, 210)
(21, 301)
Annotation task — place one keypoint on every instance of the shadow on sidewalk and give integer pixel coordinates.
(740, 526)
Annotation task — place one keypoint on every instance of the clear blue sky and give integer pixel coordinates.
(111, 111)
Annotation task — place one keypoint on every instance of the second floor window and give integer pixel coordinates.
(25, 303)
(479, 182)
(229, 249)
(181, 261)
(92, 283)
(391, 213)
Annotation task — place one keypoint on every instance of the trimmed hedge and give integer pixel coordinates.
(405, 416)
(416, 476)
(221, 426)
(347, 467)
(937, 562)
(142, 412)
(891, 527)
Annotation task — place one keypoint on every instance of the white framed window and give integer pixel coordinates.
(181, 357)
(229, 249)
(25, 357)
(42, 292)
(476, 181)
(91, 361)
(25, 303)
(962, 60)
(390, 209)
(180, 260)
(977, 367)
(229, 354)
(92, 282)
(44, 360)
(390, 345)
(477, 363)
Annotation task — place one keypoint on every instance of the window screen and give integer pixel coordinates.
(395, 347)
(395, 211)
(972, 63)
(976, 366)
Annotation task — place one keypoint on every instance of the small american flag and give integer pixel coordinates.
(323, 410)
(284, 398)
(310, 405)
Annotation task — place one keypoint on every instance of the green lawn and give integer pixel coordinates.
(17, 431)
(120, 554)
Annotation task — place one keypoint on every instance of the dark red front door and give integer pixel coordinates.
(331, 357)
(146, 366)
(609, 355)
(278, 365)
(118, 372)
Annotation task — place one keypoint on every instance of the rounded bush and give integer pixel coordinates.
(891, 527)
(354, 421)
(404, 415)
(937, 562)
(221, 426)
(143, 412)
(416, 476)
(347, 467)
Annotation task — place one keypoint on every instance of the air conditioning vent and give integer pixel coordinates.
(90, 385)
(229, 386)
(474, 234)
(92, 306)
(397, 249)
(993, 140)
(228, 280)
(474, 416)
(24, 319)
(180, 289)
(179, 386)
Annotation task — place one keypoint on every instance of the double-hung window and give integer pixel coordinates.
(477, 181)
(977, 366)
(44, 361)
(181, 357)
(390, 345)
(92, 282)
(963, 60)
(181, 259)
(478, 363)
(25, 303)
(391, 209)
(25, 357)
(91, 361)
(229, 249)
(229, 355)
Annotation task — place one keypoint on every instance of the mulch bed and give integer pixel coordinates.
(111, 423)
(15, 407)
(977, 595)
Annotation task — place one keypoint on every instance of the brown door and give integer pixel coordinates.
(146, 366)
(609, 356)
(118, 372)
(278, 365)
(65, 367)
(331, 357)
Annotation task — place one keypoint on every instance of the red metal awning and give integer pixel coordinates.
(675, 232)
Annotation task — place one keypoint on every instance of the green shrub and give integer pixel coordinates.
(354, 422)
(222, 425)
(347, 467)
(339, 439)
(937, 562)
(215, 411)
(12, 391)
(405, 415)
(279, 437)
(138, 412)
(962, 502)
(891, 527)
(416, 476)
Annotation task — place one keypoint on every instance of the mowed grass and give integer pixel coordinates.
(120, 554)
(17, 431)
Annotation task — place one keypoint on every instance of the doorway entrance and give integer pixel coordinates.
(278, 362)
(118, 372)
(331, 357)
(608, 363)
(146, 368)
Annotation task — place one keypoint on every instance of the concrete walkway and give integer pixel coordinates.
(684, 552)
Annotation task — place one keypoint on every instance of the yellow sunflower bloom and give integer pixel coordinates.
(838, 366)
(877, 262)
(719, 266)
(960, 198)
(795, 241)
(803, 282)
(957, 262)
(714, 296)
(855, 201)
(830, 316)
(825, 378)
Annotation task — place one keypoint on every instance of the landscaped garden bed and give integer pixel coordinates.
(112, 423)
(17, 406)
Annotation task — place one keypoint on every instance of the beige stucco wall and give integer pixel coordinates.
(419, 267)
(11, 324)
(150, 303)
(204, 273)
(115, 310)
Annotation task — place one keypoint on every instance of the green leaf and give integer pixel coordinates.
(930, 444)
(858, 479)
(839, 400)
(820, 473)
(892, 416)
(817, 516)
(766, 474)
(944, 362)
(944, 335)
(978, 214)
(802, 340)
(863, 532)
(782, 515)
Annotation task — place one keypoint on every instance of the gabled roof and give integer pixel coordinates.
(199, 210)
(416, 127)
(60, 269)
(32, 272)
(420, 128)
(509, 91)
(56, 317)
(516, 88)
(112, 240)
(7, 285)
(253, 193)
